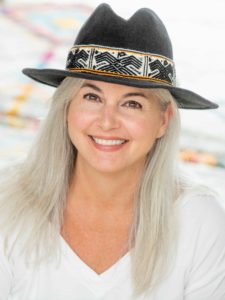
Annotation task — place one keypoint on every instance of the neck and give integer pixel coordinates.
(104, 191)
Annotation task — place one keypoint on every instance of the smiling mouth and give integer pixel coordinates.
(108, 142)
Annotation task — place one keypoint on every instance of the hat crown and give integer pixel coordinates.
(143, 31)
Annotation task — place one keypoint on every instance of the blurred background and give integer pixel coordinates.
(40, 33)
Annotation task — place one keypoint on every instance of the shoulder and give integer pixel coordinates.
(202, 207)
(201, 227)
(201, 247)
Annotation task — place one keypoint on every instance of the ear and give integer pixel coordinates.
(166, 116)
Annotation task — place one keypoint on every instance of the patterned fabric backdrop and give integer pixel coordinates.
(35, 36)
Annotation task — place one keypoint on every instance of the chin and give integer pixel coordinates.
(108, 169)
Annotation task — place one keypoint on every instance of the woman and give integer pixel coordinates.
(98, 210)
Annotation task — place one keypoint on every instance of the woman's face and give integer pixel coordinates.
(113, 127)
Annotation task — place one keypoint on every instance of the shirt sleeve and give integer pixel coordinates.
(5, 274)
(206, 272)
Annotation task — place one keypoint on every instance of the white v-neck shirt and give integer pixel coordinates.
(198, 273)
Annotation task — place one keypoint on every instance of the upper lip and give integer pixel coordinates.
(108, 138)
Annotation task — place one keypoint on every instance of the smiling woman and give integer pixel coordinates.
(99, 209)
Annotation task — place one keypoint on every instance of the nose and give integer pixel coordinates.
(108, 118)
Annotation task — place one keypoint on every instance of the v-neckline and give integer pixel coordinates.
(98, 283)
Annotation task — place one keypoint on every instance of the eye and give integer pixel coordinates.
(133, 104)
(91, 97)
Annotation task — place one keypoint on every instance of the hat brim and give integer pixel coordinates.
(184, 98)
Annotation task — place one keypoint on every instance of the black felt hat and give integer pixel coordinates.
(135, 52)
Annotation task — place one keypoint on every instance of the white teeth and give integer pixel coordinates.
(108, 142)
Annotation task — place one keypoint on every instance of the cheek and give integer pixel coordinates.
(79, 120)
(145, 128)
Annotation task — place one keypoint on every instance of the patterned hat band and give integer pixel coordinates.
(119, 62)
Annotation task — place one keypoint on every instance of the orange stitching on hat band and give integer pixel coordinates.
(117, 75)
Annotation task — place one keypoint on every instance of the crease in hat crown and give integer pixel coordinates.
(136, 52)
(110, 49)
(143, 31)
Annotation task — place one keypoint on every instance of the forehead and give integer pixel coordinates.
(102, 86)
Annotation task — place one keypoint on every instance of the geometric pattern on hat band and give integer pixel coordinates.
(121, 63)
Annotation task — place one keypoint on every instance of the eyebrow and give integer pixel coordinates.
(96, 88)
(136, 94)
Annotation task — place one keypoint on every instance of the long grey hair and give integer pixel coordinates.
(33, 194)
